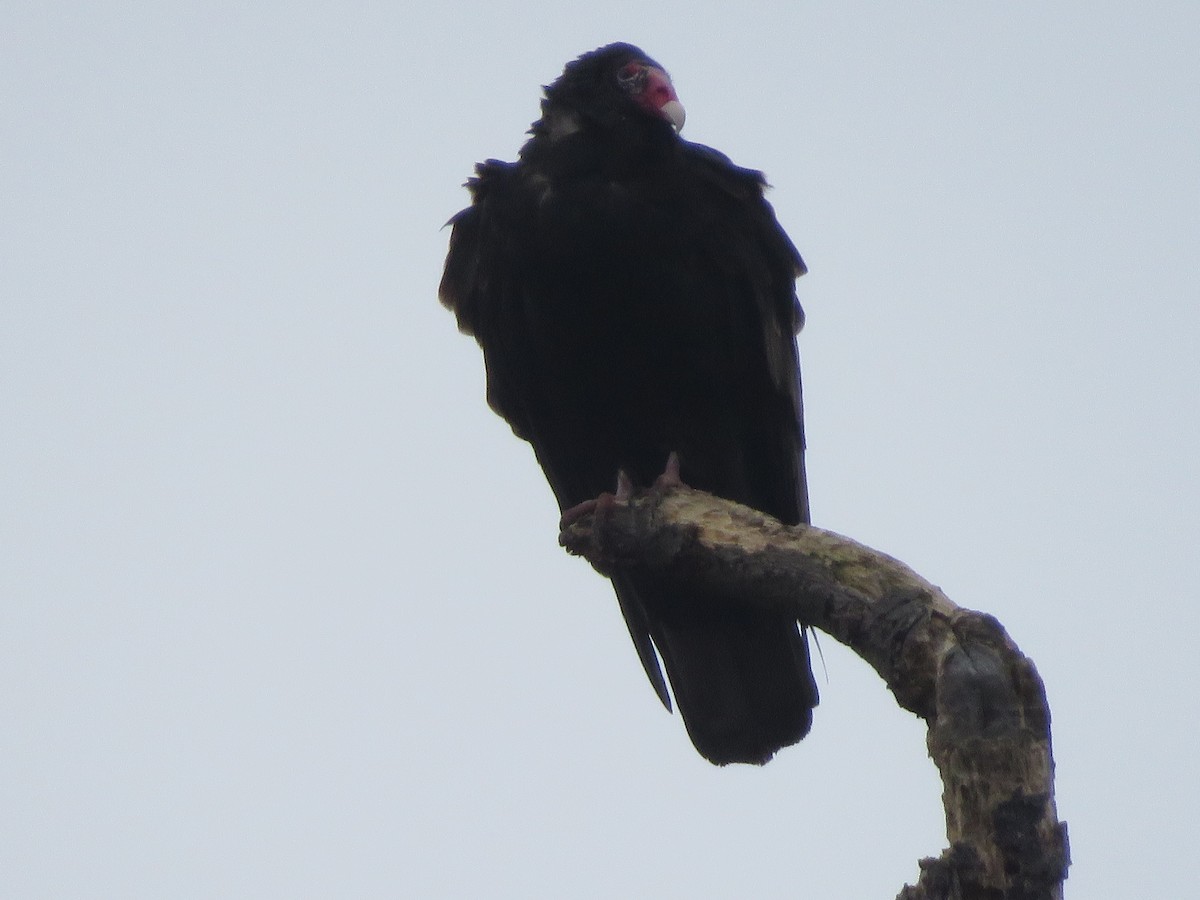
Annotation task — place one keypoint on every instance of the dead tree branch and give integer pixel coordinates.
(982, 699)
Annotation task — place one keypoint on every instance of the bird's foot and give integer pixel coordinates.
(600, 505)
(623, 494)
(591, 528)
(581, 525)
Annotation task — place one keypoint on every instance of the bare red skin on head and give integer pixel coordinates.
(650, 87)
(658, 91)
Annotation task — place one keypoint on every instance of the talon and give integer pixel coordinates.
(602, 504)
(578, 511)
(624, 486)
(670, 476)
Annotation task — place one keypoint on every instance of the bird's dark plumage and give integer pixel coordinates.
(634, 296)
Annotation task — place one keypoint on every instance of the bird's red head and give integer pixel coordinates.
(651, 88)
(605, 85)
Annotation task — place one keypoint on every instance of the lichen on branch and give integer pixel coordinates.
(982, 699)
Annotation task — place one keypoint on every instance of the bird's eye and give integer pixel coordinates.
(631, 75)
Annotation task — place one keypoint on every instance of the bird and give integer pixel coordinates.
(634, 297)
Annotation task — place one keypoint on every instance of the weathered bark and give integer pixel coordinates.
(989, 725)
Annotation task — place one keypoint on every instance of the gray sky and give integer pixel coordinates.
(282, 612)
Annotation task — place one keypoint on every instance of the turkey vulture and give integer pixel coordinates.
(634, 297)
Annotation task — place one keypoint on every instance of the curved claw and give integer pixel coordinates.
(580, 510)
(624, 493)
(603, 503)
(624, 486)
(670, 476)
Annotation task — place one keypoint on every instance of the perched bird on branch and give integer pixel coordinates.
(634, 297)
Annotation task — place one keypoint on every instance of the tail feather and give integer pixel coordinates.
(741, 676)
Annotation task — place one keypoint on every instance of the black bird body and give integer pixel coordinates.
(634, 296)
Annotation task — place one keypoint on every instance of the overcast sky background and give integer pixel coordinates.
(282, 612)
